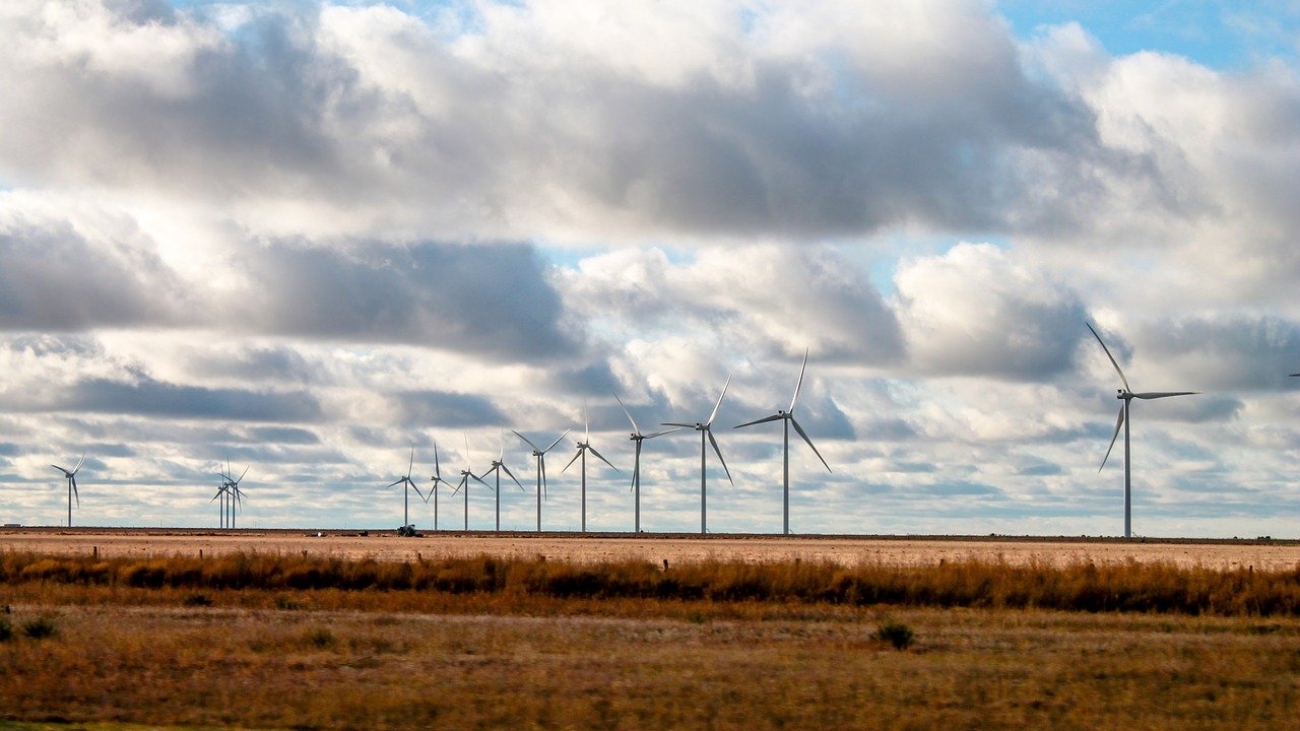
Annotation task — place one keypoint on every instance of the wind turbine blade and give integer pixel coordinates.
(512, 476)
(1119, 423)
(1112, 358)
(437, 468)
(417, 490)
(764, 420)
(602, 458)
(575, 459)
(557, 441)
(396, 482)
(718, 452)
(679, 426)
(60, 469)
(1164, 394)
(464, 480)
(659, 433)
(480, 479)
(527, 441)
(502, 456)
(1293, 375)
(541, 464)
(410, 465)
(804, 434)
(635, 429)
(586, 423)
(73, 480)
(241, 475)
(799, 383)
(79, 463)
(718, 405)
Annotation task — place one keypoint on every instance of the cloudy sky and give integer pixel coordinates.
(303, 236)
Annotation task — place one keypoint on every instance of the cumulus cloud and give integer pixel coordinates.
(976, 311)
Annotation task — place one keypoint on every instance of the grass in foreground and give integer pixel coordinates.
(277, 642)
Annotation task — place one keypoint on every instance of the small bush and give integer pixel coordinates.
(897, 634)
(6, 630)
(197, 600)
(39, 628)
(320, 637)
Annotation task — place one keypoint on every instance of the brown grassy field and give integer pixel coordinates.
(333, 640)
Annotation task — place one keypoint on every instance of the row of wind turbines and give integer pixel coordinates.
(583, 446)
(231, 495)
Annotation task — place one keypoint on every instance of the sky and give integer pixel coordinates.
(304, 238)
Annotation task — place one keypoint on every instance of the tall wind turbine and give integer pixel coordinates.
(787, 418)
(540, 455)
(706, 432)
(465, 476)
(1127, 395)
(498, 465)
(234, 496)
(222, 492)
(637, 437)
(406, 483)
(437, 480)
(584, 446)
(71, 476)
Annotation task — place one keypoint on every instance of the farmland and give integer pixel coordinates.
(280, 631)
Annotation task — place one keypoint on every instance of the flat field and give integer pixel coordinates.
(656, 548)
(279, 629)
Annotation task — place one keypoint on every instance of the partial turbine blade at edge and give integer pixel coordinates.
(1119, 423)
(1164, 394)
(718, 452)
(764, 420)
(1112, 358)
(804, 434)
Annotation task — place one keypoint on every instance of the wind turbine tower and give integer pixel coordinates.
(437, 480)
(540, 455)
(407, 484)
(465, 476)
(498, 465)
(1127, 395)
(584, 446)
(637, 437)
(706, 432)
(787, 418)
(71, 477)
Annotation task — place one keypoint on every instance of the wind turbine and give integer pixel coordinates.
(637, 437)
(584, 446)
(1127, 395)
(437, 479)
(222, 491)
(406, 483)
(498, 465)
(71, 476)
(234, 496)
(787, 418)
(706, 431)
(540, 455)
(465, 476)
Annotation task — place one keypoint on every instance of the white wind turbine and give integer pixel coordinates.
(233, 495)
(584, 446)
(1127, 395)
(465, 476)
(540, 455)
(222, 490)
(498, 465)
(638, 437)
(437, 480)
(71, 477)
(787, 418)
(407, 484)
(706, 432)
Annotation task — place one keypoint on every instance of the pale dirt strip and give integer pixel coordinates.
(902, 551)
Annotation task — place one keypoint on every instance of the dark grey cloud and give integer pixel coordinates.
(280, 363)
(145, 396)
(446, 409)
(1246, 353)
(53, 278)
(489, 299)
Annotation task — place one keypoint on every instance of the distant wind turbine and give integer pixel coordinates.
(437, 480)
(637, 437)
(71, 476)
(540, 455)
(584, 446)
(234, 496)
(1127, 395)
(222, 491)
(407, 485)
(787, 418)
(465, 476)
(706, 432)
(498, 465)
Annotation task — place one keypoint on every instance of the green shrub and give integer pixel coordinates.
(897, 634)
(39, 628)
